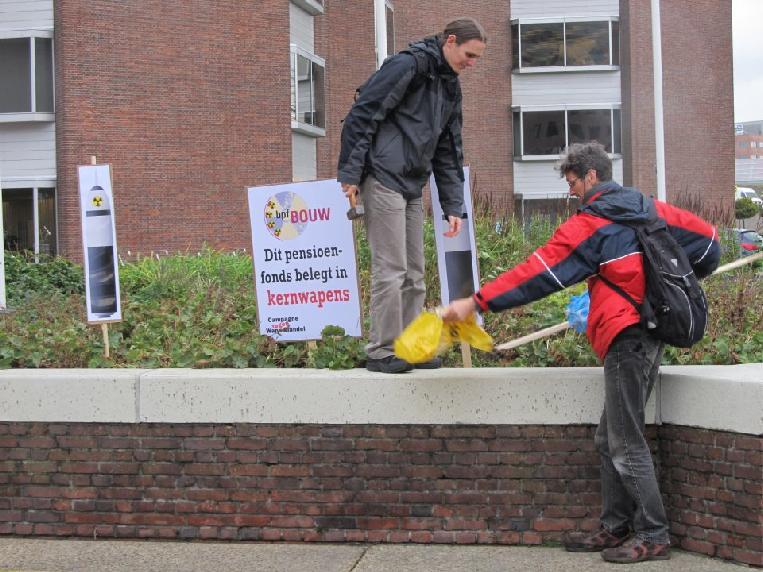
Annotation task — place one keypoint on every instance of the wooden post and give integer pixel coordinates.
(466, 354)
(104, 325)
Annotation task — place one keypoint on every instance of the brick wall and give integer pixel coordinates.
(188, 102)
(372, 483)
(350, 59)
(698, 104)
(713, 485)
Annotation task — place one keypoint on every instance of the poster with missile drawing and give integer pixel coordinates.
(99, 244)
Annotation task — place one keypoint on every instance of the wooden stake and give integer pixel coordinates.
(105, 332)
(104, 325)
(466, 354)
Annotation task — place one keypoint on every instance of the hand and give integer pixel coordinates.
(459, 310)
(350, 190)
(455, 223)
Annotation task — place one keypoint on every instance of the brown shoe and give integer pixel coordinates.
(595, 542)
(637, 550)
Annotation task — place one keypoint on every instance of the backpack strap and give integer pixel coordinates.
(622, 292)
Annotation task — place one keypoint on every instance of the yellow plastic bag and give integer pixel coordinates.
(428, 336)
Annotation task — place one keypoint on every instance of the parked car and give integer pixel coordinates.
(748, 193)
(745, 240)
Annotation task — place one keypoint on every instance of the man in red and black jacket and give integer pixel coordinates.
(589, 245)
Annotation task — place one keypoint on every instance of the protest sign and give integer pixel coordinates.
(303, 252)
(457, 255)
(99, 244)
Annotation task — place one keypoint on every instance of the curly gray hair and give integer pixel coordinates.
(580, 158)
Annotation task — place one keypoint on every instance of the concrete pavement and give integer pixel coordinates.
(66, 555)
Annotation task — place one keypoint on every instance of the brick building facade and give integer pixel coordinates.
(190, 105)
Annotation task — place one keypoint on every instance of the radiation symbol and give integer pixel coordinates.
(97, 201)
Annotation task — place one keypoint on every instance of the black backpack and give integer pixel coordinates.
(423, 71)
(674, 308)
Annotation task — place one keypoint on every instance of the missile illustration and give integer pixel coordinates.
(100, 252)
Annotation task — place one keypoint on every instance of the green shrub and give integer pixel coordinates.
(745, 208)
(199, 310)
(23, 277)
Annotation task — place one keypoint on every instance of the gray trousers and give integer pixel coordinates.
(395, 228)
(630, 493)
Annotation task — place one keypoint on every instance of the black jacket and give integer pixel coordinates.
(405, 124)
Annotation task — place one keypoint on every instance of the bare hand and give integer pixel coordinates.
(459, 310)
(350, 190)
(454, 223)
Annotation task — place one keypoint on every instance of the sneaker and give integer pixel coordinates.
(389, 364)
(435, 363)
(595, 542)
(636, 550)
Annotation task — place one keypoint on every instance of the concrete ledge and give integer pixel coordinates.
(727, 398)
(86, 395)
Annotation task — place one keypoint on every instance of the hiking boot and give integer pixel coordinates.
(636, 550)
(389, 364)
(435, 363)
(595, 542)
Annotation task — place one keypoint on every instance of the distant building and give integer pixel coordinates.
(748, 140)
(191, 103)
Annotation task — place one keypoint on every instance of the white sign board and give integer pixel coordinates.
(99, 244)
(457, 255)
(303, 251)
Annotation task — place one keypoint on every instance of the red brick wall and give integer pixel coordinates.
(188, 102)
(350, 59)
(637, 90)
(374, 483)
(697, 98)
(713, 485)
(699, 101)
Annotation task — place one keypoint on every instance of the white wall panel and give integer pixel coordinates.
(301, 28)
(27, 150)
(304, 162)
(540, 179)
(26, 14)
(563, 8)
(565, 88)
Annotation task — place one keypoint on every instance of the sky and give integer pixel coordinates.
(747, 19)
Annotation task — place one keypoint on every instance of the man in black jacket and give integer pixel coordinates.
(404, 125)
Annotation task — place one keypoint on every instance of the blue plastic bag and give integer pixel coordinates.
(577, 312)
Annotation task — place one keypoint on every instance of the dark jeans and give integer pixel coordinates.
(629, 489)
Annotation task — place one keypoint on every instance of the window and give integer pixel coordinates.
(546, 132)
(26, 75)
(307, 92)
(29, 220)
(564, 45)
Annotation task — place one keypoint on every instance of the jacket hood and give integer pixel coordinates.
(618, 204)
(432, 47)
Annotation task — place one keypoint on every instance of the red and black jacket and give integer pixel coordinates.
(589, 244)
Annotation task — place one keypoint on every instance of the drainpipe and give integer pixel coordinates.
(380, 19)
(659, 125)
(2, 250)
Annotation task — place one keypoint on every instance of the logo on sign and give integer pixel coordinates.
(287, 215)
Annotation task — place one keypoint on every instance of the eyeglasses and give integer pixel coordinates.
(573, 181)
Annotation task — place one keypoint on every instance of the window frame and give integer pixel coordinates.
(33, 115)
(522, 109)
(296, 125)
(563, 68)
(389, 26)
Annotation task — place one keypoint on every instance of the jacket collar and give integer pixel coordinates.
(597, 190)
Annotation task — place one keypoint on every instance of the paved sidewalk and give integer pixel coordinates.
(19, 554)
